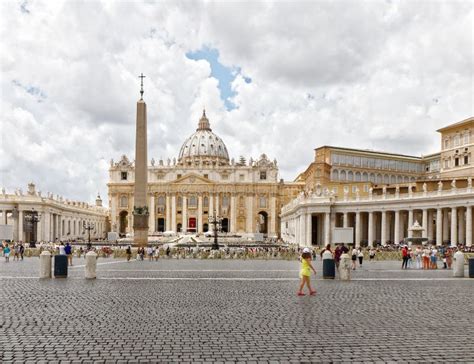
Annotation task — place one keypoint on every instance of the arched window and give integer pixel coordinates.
(350, 176)
(365, 177)
(192, 201)
(357, 177)
(386, 179)
(342, 176)
(161, 201)
(225, 201)
(205, 201)
(335, 175)
(378, 178)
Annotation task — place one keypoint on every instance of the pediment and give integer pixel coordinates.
(192, 178)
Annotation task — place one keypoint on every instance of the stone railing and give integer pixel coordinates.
(325, 198)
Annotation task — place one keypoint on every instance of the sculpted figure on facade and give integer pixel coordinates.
(440, 186)
(152, 162)
(469, 182)
(453, 184)
(425, 187)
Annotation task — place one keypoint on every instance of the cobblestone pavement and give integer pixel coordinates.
(233, 311)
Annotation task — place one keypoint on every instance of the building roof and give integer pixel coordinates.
(374, 152)
(464, 122)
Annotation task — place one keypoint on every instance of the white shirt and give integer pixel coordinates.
(62, 250)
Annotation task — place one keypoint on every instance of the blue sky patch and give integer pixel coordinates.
(225, 75)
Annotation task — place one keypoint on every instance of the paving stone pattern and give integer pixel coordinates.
(113, 319)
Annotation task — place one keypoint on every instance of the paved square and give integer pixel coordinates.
(233, 311)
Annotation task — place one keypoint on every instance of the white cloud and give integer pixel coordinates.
(381, 75)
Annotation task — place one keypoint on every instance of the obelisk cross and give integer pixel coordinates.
(141, 90)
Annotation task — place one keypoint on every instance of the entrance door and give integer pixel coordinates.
(192, 224)
(161, 224)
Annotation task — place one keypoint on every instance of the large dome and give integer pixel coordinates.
(203, 146)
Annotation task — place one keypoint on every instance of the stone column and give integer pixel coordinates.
(185, 215)
(302, 235)
(430, 234)
(199, 222)
(273, 213)
(308, 236)
(357, 229)
(439, 227)
(39, 228)
(445, 225)
(217, 204)
(168, 212)
(425, 222)
(327, 228)
(211, 206)
(20, 225)
(152, 219)
(410, 223)
(5, 217)
(173, 213)
(461, 227)
(249, 218)
(454, 226)
(370, 235)
(113, 213)
(396, 238)
(469, 226)
(383, 228)
(345, 220)
(233, 214)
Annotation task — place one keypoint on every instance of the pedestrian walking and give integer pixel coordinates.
(128, 252)
(410, 258)
(16, 251)
(354, 258)
(149, 253)
(434, 258)
(371, 254)
(6, 253)
(21, 251)
(305, 272)
(418, 256)
(426, 258)
(62, 249)
(68, 251)
(449, 257)
(404, 257)
(360, 255)
(337, 256)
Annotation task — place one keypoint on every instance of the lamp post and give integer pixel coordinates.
(33, 218)
(216, 222)
(88, 226)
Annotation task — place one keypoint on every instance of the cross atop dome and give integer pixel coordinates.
(204, 122)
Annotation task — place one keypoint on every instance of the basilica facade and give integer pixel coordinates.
(382, 195)
(202, 182)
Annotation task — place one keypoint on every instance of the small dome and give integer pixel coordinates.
(204, 145)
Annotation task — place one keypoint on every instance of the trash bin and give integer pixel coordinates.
(329, 266)
(471, 267)
(60, 266)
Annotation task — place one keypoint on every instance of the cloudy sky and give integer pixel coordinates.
(279, 78)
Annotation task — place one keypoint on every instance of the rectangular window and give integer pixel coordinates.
(334, 190)
(263, 175)
(366, 188)
(123, 176)
(466, 160)
(456, 162)
(354, 189)
(178, 176)
(206, 176)
(241, 177)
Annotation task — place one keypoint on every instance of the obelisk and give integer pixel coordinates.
(140, 208)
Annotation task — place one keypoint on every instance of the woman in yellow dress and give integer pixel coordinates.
(305, 272)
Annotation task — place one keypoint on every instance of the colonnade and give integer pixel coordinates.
(51, 225)
(441, 224)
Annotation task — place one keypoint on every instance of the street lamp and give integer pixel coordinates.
(88, 226)
(33, 218)
(216, 222)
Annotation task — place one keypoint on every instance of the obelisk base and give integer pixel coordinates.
(140, 230)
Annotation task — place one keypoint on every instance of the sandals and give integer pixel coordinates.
(312, 293)
(300, 294)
